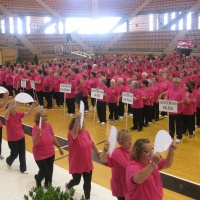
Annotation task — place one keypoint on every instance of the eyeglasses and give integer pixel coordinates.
(148, 151)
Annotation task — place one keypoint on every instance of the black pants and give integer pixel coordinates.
(121, 198)
(87, 178)
(93, 101)
(45, 170)
(58, 98)
(155, 111)
(85, 101)
(198, 117)
(70, 103)
(188, 124)
(0, 138)
(101, 111)
(17, 148)
(17, 91)
(113, 110)
(40, 97)
(10, 89)
(121, 109)
(137, 117)
(146, 113)
(178, 121)
(48, 97)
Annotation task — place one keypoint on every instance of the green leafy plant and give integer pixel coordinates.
(50, 193)
(7, 63)
(36, 59)
(19, 60)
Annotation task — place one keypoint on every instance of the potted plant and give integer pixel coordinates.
(50, 193)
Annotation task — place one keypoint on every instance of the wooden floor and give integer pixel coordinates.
(186, 161)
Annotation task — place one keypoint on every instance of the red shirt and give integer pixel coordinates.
(14, 129)
(80, 152)
(44, 148)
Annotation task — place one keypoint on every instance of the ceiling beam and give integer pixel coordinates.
(131, 16)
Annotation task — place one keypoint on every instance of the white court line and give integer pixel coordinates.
(13, 184)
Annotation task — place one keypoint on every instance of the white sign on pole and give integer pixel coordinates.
(66, 88)
(168, 106)
(127, 98)
(97, 93)
(23, 83)
(32, 84)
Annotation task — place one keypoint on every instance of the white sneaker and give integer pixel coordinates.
(41, 106)
(67, 113)
(56, 105)
(97, 122)
(86, 111)
(71, 114)
(131, 115)
(115, 121)
(1, 157)
(103, 123)
(120, 117)
(178, 140)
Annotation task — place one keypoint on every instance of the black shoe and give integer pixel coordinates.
(133, 128)
(156, 120)
(146, 125)
(140, 129)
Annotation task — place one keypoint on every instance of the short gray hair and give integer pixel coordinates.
(134, 84)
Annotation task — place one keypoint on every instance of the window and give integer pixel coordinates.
(3, 26)
(11, 25)
(19, 25)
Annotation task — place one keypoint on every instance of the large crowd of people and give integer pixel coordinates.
(171, 77)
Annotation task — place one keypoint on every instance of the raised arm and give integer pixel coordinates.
(76, 126)
(26, 114)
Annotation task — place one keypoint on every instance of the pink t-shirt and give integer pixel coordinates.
(14, 129)
(188, 107)
(80, 153)
(16, 79)
(176, 95)
(139, 102)
(38, 87)
(44, 148)
(150, 189)
(112, 94)
(78, 80)
(118, 163)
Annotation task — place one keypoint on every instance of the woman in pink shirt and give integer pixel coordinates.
(80, 155)
(43, 148)
(113, 100)
(188, 110)
(118, 162)
(9, 81)
(142, 173)
(15, 134)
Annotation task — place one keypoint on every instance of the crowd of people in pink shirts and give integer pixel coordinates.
(172, 77)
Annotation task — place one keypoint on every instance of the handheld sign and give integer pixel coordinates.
(162, 141)
(66, 88)
(112, 139)
(23, 83)
(168, 106)
(82, 111)
(127, 98)
(97, 93)
(40, 123)
(32, 84)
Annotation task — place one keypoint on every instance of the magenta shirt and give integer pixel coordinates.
(78, 79)
(118, 163)
(9, 79)
(112, 94)
(80, 153)
(198, 98)
(44, 148)
(48, 81)
(38, 87)
(16, 78)
(150, 189)
(188, 108)
(139, 102)
(176, 95)
(70, 95)
(14, 131)
(104, 88)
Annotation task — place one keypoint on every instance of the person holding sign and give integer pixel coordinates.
(80, 155)
(113, 100)
(176, 93)
(101, 103)
(43, 149)
(142, 173)
(118, 162)
(15, 134)
(137, 107)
